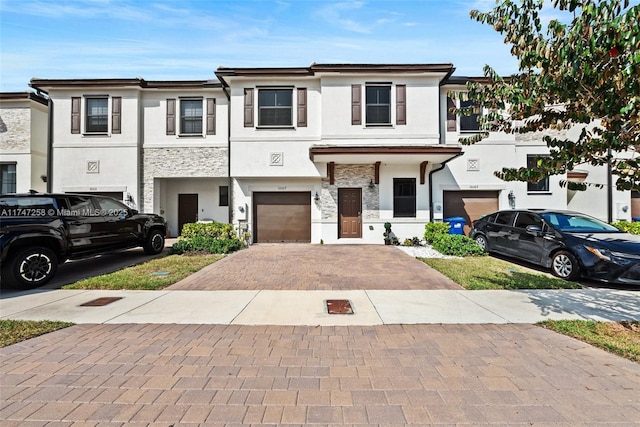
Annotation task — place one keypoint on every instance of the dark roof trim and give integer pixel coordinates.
(223, 72)
(383, 150)
(16, 96)
(384, 68)
(137, 82)
(462, 80)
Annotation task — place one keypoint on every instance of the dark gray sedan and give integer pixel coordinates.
(571, 244)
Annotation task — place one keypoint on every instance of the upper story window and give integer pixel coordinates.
(378, 105)
(97, 113)
(543, 184)
(469, 123)
(191, 116)
(275, 107)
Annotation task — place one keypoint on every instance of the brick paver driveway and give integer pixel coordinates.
(317, 267)
(162, 375)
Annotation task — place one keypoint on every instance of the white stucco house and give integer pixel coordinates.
(160, 146)
(325, 153)
(23, 142)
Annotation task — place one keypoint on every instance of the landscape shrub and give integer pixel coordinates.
(456, 245)
(629, 227)
(433, 229)
(214, 230)
(214, 237)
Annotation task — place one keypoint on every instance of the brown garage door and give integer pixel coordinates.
(282, 217)
(469, 205)
(635, 204)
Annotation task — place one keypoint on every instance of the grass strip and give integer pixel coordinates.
(157, 273)
(621, 338)
(14, 331)
(477, 273)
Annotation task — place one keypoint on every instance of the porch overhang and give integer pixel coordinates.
(382, 153)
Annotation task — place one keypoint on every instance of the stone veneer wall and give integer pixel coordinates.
(350, 176)
(190, 162)
(15, 135)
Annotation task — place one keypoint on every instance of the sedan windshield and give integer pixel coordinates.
(576, 223)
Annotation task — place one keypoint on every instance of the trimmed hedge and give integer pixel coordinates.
(213, 237)
(437, 234)
(456, 245)
(629, 227)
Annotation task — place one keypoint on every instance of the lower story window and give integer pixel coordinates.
(404, 197)
(7, 178)
(223, 199)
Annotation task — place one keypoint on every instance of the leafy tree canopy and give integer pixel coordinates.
(585, 73)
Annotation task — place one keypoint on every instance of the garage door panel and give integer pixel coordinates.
(635, 204)
(470, 205)
(282, 217)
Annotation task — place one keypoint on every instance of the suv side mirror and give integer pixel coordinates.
(133, 212)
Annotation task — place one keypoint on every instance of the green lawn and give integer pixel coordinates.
(485, 272)
(155, 274)
(13, 331)
(621, 338)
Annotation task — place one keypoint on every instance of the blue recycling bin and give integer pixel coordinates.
(635, 219)
(456, 224)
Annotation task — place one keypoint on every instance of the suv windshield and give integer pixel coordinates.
(576, 223)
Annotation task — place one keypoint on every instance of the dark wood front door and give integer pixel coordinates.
(350, 213)
(187, 209)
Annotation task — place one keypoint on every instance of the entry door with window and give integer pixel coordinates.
(187, 209)
(350, 213)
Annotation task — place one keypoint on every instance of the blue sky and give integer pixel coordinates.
(188, 40)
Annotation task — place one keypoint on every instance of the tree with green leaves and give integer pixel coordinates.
(585, 73)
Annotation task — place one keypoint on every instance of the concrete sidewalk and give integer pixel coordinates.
(278, 307)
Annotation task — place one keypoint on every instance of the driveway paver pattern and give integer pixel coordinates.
(317, 267)
(376, 375)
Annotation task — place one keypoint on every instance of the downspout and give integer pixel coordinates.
(442, 165)
(230, 183)
(50, 147)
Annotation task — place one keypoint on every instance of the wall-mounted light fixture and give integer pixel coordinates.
(512, 199)
(371, 185)
(317, 197)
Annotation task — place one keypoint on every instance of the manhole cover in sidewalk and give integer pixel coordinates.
(99, 302)
(339, 306)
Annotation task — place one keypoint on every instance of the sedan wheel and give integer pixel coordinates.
(482, 242)
(565, 266)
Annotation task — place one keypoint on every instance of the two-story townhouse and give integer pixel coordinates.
(332, 152)
(469, 188)
(23, 142)
(159, 146)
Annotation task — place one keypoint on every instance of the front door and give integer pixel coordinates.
(350, 213)
(187, 209)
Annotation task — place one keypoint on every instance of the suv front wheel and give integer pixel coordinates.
(155, 242)
(32, 267)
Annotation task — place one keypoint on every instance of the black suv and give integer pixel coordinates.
(38, 231)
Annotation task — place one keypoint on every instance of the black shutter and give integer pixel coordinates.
(116, 120)
(302, 107)
(356, 105)
(211, 116)
(171, 116)
(401, 104)
(248, 108)
(75, 114)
